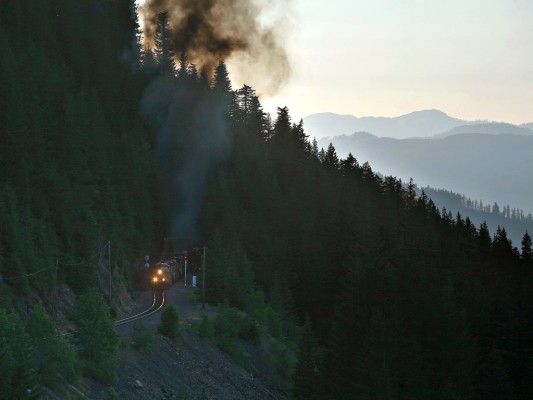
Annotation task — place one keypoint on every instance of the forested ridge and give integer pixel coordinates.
(514, 220)
(393, 298)
(77, 175)
(75, 154)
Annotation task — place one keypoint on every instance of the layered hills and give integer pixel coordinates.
(425, 123)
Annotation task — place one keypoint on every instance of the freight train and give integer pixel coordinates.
(165, 273)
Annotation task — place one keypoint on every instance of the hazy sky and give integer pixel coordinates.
(472, 59)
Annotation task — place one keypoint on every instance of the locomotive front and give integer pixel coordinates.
(162, 276)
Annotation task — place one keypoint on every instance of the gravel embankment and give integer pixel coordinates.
(190, 368)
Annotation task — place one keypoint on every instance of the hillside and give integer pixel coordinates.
(494, 168)
(342, 281)
(514, 220)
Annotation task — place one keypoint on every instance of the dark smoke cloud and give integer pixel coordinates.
(193, 137)
(193, 131)
(210, 31)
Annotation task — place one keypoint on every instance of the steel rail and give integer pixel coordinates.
(155, 307)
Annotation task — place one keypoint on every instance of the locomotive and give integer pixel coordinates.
(165, 273)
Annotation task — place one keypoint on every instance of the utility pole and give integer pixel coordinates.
(185, 262)
(203, 278)
(110, 274)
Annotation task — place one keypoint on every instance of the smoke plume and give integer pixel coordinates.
(210, 31)
(194, 134)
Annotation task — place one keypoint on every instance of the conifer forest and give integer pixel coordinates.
(384, 295)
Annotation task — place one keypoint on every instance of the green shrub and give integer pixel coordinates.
(249, 330)
(228, 345)
(99, 343)
(235, 324)
(112, 395)
(143, 338)
(284, 364)
(55, 358)
(227, 322)
(170, 323)
(206, 328)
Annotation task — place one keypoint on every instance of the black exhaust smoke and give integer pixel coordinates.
(194, 130)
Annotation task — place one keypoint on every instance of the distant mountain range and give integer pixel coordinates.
(492, 168)
(426, 123)
(492, 128)
(489, 161)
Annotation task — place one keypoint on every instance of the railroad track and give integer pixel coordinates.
(158, 303)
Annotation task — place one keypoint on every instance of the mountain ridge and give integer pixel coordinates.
(488, 167)
(423, 123)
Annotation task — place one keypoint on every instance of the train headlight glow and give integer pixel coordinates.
(164, 279)
(155, 279)
(159, 272)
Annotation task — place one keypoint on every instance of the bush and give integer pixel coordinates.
(228, 345)
(55, 358)
(170, 323)
(206, 328)
(249, 331)
(143, 338)
(283, 363)
(227, 322)
(112, 395)
(235, 324)
(99, 343)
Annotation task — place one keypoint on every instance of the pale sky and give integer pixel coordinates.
(472, 59)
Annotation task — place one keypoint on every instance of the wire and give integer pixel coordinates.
(83, 262)
(46, 269)
(26, 275)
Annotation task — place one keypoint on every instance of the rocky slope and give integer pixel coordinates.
(190, 368)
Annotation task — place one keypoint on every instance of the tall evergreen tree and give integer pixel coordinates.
(55, 358)
(97, 337)
(18, 378)
(527, 252)
(331, 160)
(306, 378)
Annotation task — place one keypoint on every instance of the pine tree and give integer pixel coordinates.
(307, 375)
(55, 358)
(375, 364)
(349, 166)
(331, 161)
(18, 379)
(97, 337)
(163, 47)
(527, 252)
(222, 88)
(484, 240)
(314, 149)
(282, 128)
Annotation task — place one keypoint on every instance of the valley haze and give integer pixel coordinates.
(488, 161)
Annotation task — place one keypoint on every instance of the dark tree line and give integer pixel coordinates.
(513, 219)
(403, 300)
(76, 172)
(75, 154)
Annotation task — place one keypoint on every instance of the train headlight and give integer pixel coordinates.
(164, 279)
(159, 272)
(154, 279)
